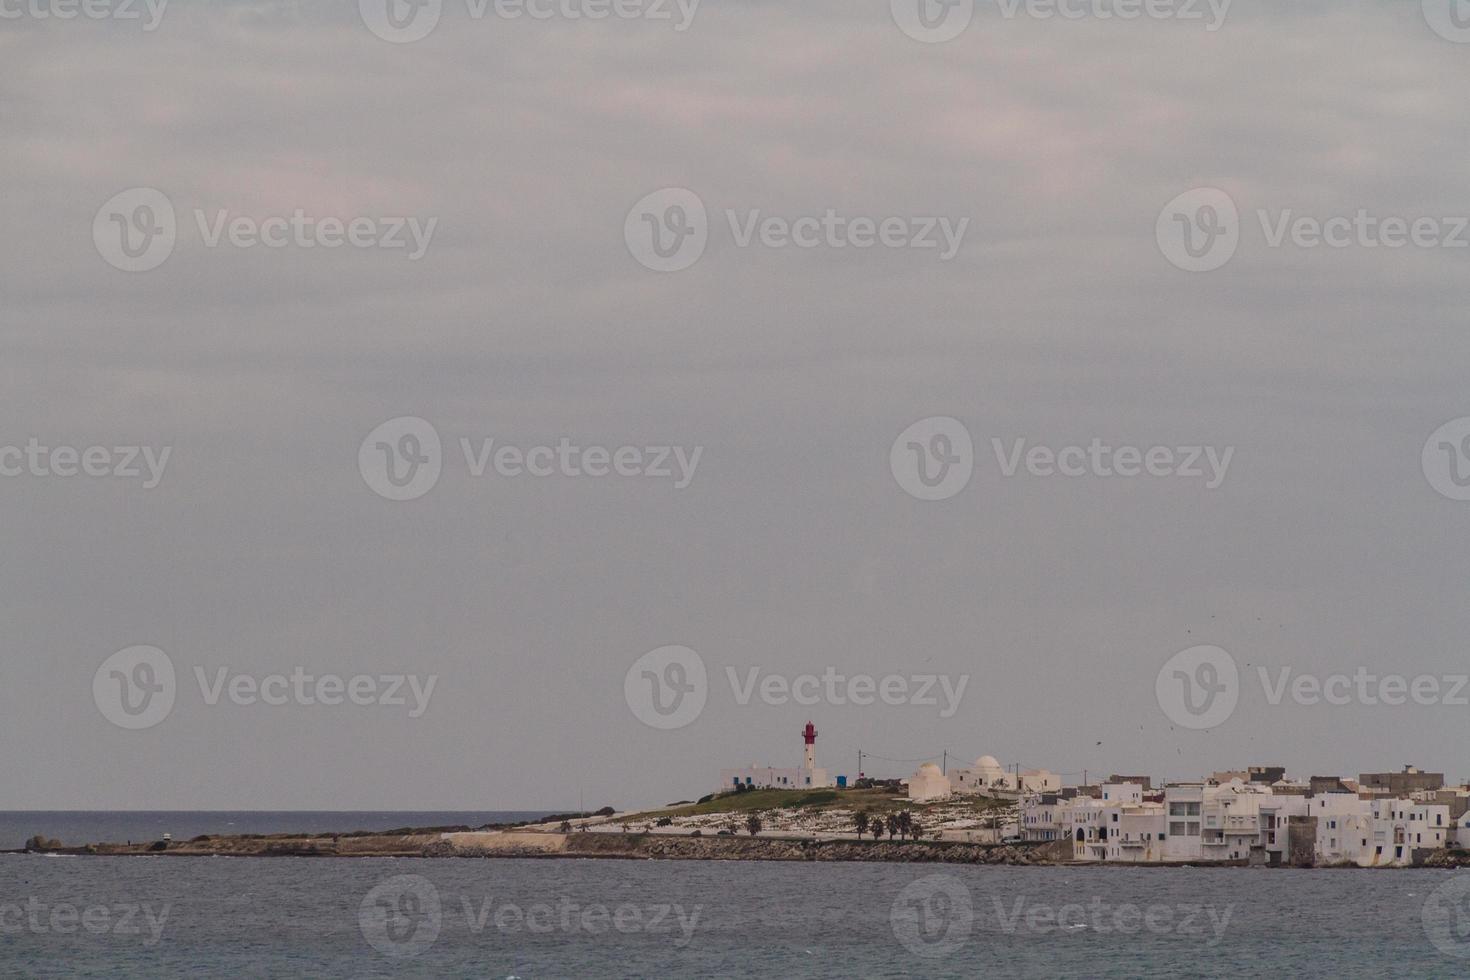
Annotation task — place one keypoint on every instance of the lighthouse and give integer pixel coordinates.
(770, 777)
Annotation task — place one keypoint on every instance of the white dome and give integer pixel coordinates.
(987, 762)
(929, 768)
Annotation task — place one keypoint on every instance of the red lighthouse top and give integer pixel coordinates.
(809, 733)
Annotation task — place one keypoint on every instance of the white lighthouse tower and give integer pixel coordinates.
(769, 777)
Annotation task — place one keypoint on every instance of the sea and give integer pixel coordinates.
(159, 916)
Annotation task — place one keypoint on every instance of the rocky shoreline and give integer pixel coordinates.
(489, 844)
(461, 843)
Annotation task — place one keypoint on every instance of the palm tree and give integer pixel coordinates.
(892, 826)
(753, 824)
(877, 827)
(905, 821)
(860, 820)
(916, 830)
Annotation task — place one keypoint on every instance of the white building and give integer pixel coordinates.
(1236, 821)
(1042, 817)
(985, 775)
(1137, 833)
(929, 783)
(808, 776)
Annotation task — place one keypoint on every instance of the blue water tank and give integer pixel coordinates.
(842, 782)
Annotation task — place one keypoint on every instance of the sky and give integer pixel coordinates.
(792, 368)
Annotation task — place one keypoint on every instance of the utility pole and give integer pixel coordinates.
(945, 768)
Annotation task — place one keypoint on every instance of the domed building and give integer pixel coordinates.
(929, 783)
(986, 774)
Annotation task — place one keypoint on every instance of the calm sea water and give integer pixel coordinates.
(91, 826)
(232, 917)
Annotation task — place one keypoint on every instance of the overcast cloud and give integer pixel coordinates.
(793, 548)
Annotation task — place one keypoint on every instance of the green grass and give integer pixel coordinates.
(874, 801)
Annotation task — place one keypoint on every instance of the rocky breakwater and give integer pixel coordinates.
(683, 847)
